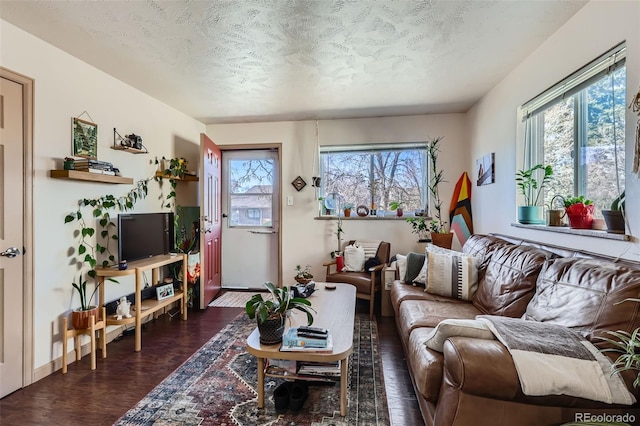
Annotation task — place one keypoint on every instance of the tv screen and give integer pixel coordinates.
(142, 235)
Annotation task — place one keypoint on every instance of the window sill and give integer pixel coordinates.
(356, 217)
(582, 232)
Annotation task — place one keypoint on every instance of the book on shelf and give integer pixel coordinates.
(98, 171)
(331, 369)
(291, 341)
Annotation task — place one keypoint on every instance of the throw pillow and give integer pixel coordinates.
(401, 264)
(353, 259)
(414, 264)
(451, 273)
(421, 278)
(457, 327)
(371, 262)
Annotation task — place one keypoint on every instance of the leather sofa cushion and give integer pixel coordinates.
(427, 364)
(481, 246)
(428, 313)
(509, 280)
(584, 294)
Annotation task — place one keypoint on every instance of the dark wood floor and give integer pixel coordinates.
(100, 397)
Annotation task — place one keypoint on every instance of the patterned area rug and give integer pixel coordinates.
(233, 299)
(217, 386)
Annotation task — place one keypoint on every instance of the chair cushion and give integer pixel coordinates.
(361, 280)
(353, 258)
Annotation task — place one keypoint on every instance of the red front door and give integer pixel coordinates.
(211, 228)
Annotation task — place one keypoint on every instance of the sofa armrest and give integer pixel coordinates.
(480, 367)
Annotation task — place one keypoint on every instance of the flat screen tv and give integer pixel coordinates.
(142, 235)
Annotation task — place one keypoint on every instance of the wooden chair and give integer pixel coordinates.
(366, 282)
(91, 331)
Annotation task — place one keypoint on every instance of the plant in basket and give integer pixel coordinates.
(303, 275)
(579, 211)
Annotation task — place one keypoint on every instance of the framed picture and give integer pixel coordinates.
(298, 183)
(85, 138)
(164, 291)
(486, 169)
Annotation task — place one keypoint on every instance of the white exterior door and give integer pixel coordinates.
(251, 218)
(11, 236)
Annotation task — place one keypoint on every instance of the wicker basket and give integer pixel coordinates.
(301, 280)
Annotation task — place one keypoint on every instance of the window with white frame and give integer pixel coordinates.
(578, 127)
(375, 175)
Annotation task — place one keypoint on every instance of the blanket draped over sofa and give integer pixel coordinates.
(553, 360)
(566, 301)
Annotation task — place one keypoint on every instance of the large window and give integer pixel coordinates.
(578, 127)
(374, 175)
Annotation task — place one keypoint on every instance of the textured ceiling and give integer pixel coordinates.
(264, 60)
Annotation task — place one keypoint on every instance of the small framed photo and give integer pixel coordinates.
(164, 291)
(85, 138)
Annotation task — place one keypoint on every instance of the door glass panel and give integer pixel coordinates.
(251, 192)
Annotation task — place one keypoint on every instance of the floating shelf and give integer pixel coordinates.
(187, 178)
(129, 149)
(89, 177)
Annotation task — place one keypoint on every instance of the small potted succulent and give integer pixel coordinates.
(271, 314)
(579, 211)
(346, 209)
(303, 275)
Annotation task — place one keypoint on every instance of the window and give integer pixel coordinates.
(374, 175)
(251, 185)
(578, 127)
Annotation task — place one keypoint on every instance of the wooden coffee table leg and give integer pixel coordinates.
(343, 386)
(260, 382)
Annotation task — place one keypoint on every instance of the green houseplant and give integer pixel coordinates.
(614, 217)
(579, 211)
(303, 275)
(271, 314)
(398, 206)
(531, 182)
(437, 226)
(420, 227)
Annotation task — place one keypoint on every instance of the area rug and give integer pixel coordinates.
(233, 299)
(217, 386)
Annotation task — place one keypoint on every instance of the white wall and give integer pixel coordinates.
(309, 241)
(65, 87)
(596, 28)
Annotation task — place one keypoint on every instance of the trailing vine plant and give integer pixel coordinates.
(89, 246)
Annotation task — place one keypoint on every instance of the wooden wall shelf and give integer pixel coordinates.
(89, 177)
(187, 178)
(129, 149)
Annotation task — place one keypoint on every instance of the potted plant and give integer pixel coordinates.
(398, 206)
(437, 226)
(579, 211)
(420, 226)
(81, 317)
(531, 185)
(303, 275)
(347, 209)
(271, 314)
(614, 217)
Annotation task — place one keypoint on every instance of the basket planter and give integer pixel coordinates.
(82, 319)
(301, 280)
(441, 239)
(271, 331)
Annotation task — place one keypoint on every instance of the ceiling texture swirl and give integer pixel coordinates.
(266, 60)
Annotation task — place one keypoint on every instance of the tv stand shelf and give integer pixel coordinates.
(142, 308)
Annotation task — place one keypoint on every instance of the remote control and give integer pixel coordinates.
(314, 330)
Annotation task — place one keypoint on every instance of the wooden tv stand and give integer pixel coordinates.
(149, 306)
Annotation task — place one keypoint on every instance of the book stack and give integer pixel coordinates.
(94, 166)
(319, 369)
(307, 339)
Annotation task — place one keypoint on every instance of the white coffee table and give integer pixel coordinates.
(335, 312)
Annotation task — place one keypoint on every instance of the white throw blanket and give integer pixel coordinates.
(553, 360)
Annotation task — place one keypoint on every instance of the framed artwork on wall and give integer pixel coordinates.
(486, 169)
(85, 138)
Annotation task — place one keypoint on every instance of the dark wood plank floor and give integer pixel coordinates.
(100, 397)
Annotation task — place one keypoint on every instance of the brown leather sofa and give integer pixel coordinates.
(474, 381)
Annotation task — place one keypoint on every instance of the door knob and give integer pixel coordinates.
(10, 252)
(224, 215)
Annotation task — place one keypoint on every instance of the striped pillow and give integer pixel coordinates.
(451, 273)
